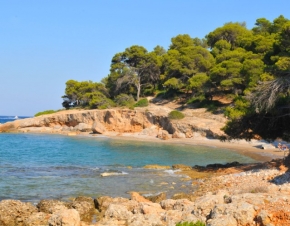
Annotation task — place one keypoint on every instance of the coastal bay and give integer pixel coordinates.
(72, 176)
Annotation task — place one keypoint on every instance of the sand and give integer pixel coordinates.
(251, 148)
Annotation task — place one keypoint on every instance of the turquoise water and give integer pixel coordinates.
(38, 166)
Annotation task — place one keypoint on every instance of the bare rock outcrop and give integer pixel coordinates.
(14, 212)
(143, 122)
(65, 217)
(85, 207)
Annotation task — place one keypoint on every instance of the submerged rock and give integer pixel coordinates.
(155, 166)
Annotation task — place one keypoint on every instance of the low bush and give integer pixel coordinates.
(45, 112)
(198, 223)
(176, 115)
(142, 103)
(124, 100)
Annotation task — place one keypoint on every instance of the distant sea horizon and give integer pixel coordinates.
(10, 118)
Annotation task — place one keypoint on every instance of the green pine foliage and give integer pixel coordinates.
(251, 65)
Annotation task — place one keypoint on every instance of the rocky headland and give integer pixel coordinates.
(151, 121)
(225, 195)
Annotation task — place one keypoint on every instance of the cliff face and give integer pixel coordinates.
(140, 121)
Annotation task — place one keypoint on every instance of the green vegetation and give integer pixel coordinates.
(142, 103)
(44, 112)
(124, 100)
(251, 67)
(176, 115)
(198, 223)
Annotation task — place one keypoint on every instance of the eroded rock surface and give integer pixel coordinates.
(153, 122)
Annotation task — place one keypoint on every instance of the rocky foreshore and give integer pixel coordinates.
(257, 194)
(235, 194)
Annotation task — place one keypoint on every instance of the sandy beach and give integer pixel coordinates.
(251, 148)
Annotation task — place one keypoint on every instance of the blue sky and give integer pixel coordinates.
(44, 43)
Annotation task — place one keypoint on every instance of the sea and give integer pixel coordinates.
(45, 166)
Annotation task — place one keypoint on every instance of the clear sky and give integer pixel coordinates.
(44, 43)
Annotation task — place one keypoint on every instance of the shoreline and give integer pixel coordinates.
(250, 149)
(261, 192)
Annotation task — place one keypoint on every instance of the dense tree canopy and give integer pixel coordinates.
(248, 67)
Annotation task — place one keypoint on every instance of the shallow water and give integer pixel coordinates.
(38, 166)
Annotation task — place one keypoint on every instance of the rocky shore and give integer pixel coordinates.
(228, 195)
(234, 194)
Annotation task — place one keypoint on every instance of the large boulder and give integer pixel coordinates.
(85, 206)
(51, 205)
(14, 212)
(157, 198)
(65, 217)
(98, 127)
(137, 197)
(83, 127)
(37, 219)
(164, 135)
(102, 203)
(243, 213)
(118, 212)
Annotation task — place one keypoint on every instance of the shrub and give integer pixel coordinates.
(142, 103)
(198, 223)
(45, 112)
(125, 100)
(196, 99)
(101, 102)
(176, 115)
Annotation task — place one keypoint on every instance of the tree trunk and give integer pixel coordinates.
(138, 90)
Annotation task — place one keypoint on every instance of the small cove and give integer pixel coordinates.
(41, 166)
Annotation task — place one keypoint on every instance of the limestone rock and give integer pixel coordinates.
(182, 167)
(120, 121)
(224, 220)
(83, 127)
(102, 203)
(177, 134)
(164, 135)
(167, 204)
(117, 211)
(98, 127)
(85, 207)
(148, 208)
(157, 198)
(65, 217)
(155, 166)
(51, 205)
(37, 219)
(243, 213)
(137, 197)
(171, 217)
(141, 220)
(14, 212)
